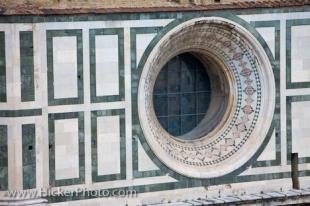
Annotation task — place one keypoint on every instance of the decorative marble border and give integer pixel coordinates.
(3, 157)
(92, 57)
(276, 125)
(51, 128)
(26, 66)
(94, 116)
(3, 94)
(50, 76)
(289, 25)
(133, 51)
(29, 155)
(289, 101)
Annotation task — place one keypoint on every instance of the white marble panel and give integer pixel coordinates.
(301, 128)
(65, 67)
(300, 62)
(107, 71)
(66, 149)
(144, 162)
(268, 33)
(142, 41)
(108, 145)
(269, 152)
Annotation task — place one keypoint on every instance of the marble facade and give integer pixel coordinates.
(68, 118)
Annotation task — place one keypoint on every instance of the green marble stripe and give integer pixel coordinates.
(50, 34)
(29, 156)
(21, 113)
(51, 129)
(92, 56)
(3, 157)
(26, 66)
(289, 136)
(94, 116)
(289, 25)
(144, 15)
(2, 68)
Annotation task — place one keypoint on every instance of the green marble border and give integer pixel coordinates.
(3, 157)
(21, 112)
(133, 51)
(94, 116)
(289, 101)
(26, 66)
(50, 76)
(277, 123)
(92, 57)
(289, 25)
(145, 15)
(2, 68)
(51, 128)
(29, 155)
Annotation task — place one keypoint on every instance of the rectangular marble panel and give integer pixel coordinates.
(300, 54)
(269, 152)
(65, 67)
(108, 145)
(107, 65)
(268, 33)
(66, 149)
(144, 161)
(142, 41)
(301, 128)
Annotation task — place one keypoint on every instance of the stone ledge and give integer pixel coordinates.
(17, 202)
(271, 198)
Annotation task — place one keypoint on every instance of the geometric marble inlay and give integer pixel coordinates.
(300, 58)
(300, 128)
(66, 149)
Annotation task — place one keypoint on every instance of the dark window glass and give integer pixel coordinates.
(182, 94)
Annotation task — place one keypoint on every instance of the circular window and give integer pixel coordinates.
(199, 97)
(183, 94)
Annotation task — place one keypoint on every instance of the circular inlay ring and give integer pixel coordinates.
(248, 73)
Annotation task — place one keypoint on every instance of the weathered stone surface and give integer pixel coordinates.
(8, 7)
